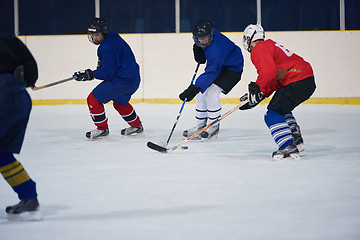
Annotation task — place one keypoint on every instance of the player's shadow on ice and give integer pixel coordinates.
(135, 213)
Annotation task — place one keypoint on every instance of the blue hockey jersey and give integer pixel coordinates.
(221, 54)
(117, 60)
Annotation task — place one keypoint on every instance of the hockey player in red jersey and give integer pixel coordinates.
(119, 71)
(290, 77)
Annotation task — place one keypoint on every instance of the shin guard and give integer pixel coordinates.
(279, 129)
(16, 176)
(97, 112)
(128, 113)
(291, 121)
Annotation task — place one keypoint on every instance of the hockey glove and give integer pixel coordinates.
(85, 75)
(189, 93)
(245, 106)
(255, 96)
(199, 54)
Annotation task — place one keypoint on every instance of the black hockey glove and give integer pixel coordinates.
(85, 75)
(199, 54)
(189, 93)
(245, 106)
(255, 96)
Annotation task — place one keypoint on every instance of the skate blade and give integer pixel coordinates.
(25, 216)
(213, 138)
(135, 135)
(278, 157)
(101, 138)
(300, 147)
(294, 156)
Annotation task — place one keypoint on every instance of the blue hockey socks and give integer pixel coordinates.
(279, 128)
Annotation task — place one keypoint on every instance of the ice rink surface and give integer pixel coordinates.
(226, 189)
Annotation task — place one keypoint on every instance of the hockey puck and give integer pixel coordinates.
(184, 147)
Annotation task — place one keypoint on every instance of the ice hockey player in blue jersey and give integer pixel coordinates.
(18, 70)
(224, 66)
(120, 73)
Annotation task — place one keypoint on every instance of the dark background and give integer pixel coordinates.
(53, 17)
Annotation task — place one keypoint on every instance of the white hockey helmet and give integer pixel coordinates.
(251, 34)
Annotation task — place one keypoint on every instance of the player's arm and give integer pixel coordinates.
(28, 62)
(266, 69)
(109, 62)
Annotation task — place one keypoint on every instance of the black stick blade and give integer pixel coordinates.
(156, 147)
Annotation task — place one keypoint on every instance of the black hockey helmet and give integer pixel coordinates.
(97, 25)
(203, 28)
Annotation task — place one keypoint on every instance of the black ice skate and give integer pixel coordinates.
(97, 134)
(210, 133)
(289, 151)
(133, 132)
(298, 140)
(189, 132)
(25, 210)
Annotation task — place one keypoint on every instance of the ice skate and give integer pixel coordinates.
(133, 132)
(298, 140)
(289, 151)
(189, 132)
(97, 134)
(25, 210)
(210, 133)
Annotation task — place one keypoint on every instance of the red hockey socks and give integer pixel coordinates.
(97, 112)
(128, 113)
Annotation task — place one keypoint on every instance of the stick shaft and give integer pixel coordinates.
(182, 107)
(52, 84)
(162, 149)
(209, 125)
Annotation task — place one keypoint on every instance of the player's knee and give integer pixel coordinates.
(272, 117)
(91, 100)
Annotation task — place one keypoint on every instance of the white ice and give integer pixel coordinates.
(227, 189)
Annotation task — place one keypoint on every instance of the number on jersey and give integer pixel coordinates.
(285, 50)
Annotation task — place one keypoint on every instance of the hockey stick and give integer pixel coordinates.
(52, 84)
(182, 107)
(161, 149)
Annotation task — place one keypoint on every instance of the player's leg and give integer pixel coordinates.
(282, 103)
(98, 115)
(128, 113)
(295, 129)
(279, 106)
(120, 92)
(14, 116)
(201, 116)
(281, 133)
(17, 177)
(212, 98)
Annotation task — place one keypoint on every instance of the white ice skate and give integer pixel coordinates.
(210, 133)
(133, 132)
(97, 134)
(290, 151)
(189, 132)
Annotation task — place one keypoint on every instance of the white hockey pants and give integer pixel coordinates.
(208, 105)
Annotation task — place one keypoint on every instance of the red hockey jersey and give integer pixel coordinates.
(277, 66)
